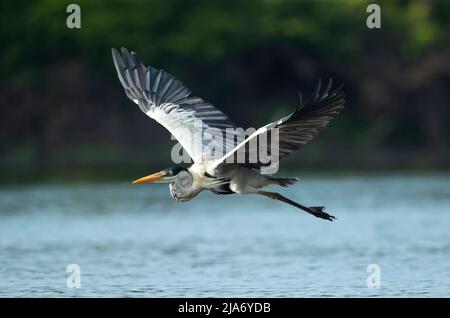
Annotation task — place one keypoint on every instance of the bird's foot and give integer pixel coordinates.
(317, 211)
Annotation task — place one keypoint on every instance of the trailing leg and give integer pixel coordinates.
(316, 211)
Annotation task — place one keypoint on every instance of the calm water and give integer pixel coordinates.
(135, 241)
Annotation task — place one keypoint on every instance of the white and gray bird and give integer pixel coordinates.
(165, 99)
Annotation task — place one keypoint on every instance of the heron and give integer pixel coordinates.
(168, 101)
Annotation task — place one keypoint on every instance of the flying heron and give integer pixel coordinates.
(165, 99)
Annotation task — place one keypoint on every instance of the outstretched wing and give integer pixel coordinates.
(195, 123)
(294, 130)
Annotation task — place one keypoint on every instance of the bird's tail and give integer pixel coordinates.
(284, 182)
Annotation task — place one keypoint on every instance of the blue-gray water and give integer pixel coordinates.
(135, 241)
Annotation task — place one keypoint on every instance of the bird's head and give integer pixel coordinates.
(168, 175)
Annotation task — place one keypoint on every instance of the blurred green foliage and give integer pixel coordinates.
(60, 97)
(34, 34)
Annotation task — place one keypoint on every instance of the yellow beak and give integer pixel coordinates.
(151, 178)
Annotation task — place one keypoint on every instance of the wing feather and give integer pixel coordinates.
(164, 98)
(296, 129)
